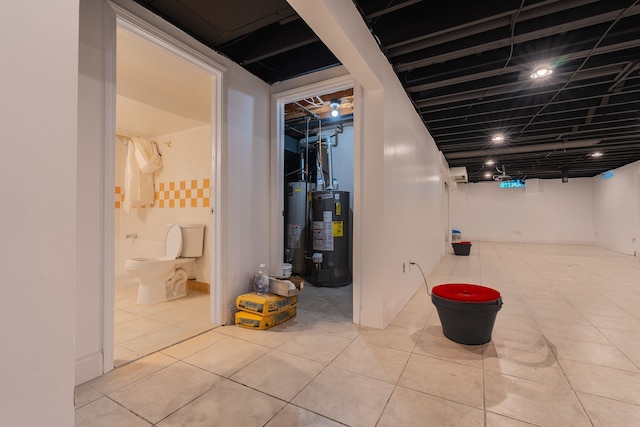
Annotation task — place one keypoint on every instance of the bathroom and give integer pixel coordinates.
(165, 100)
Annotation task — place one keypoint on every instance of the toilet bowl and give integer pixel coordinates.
(165, 277)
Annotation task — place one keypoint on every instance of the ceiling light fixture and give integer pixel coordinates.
(541, 72)
(335, 103)
(596, 154)
(498, 138)
(490, 162)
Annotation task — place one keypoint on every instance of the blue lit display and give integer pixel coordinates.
(606, 175)
(515, 183)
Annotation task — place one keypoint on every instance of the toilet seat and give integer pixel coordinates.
(150, 261)
(173, 242)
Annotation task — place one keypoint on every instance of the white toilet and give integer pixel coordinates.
(165, 278)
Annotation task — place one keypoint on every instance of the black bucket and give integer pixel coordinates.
(467, 312)
(461, 248)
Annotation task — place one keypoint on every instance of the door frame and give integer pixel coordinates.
(142, 28)
(278, 102)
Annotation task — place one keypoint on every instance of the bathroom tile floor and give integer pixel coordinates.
(140, 330)
(564, 352)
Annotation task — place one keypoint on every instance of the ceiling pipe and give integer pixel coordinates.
(512, 87)
(606, 129)
(452, 115)
(392, 9)
(280, 51)
(563, 116)
(311, 113)
(632, 66)
(483, 25)
(249, 27)
(523, 149)
(520, 68)
(523, 38)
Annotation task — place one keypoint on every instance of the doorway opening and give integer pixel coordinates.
(169, 98)
(317, 184)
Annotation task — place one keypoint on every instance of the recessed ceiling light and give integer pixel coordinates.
(498, 138)
(597, 154)
(490, 162)
(541, 72)
(487, 174)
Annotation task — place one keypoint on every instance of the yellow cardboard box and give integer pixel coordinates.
(265, 304)
(255, 321)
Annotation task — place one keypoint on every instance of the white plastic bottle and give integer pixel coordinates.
(261, 281)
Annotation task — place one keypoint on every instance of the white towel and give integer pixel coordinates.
(143, 160)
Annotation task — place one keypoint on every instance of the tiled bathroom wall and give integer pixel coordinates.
(175, 194)
(182, 196)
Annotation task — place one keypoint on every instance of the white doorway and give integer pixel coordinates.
(279, 138)
(171, 95)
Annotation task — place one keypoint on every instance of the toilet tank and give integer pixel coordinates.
(192, 240)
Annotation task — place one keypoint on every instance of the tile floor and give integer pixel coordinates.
(140, 330)
(565, 352)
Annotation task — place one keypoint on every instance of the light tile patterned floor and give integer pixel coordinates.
(564, 352)
(143, 329)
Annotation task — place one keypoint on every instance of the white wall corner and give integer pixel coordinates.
(372, 320)
(88, 367)
(391, 312)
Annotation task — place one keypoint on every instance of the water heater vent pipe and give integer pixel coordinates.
(320, 170)
(306, 162)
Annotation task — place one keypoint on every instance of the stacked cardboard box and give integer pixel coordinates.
(286, 286)
(262, 311)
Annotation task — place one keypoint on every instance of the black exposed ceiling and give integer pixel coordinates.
(466, 65)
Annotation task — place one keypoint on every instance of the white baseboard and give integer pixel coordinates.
(372, 320)
(88, 367)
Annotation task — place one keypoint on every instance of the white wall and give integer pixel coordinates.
(412, 203)
(246, 187)
(616, 207)
(557, 212)
(91, 222)
(397, 215)
(583, 210)
(245, 154)
(38, 167)
(342, 155)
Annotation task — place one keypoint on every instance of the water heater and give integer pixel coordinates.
(330, 237)
(296, 226)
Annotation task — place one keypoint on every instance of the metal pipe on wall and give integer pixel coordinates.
(306, 171)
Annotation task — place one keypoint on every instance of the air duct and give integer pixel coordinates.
(458, 174)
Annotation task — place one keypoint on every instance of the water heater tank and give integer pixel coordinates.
(296, 225)
(331, 231)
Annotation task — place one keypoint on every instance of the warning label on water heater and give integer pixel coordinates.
(293, 235)
(323, 235)
(338, 228)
